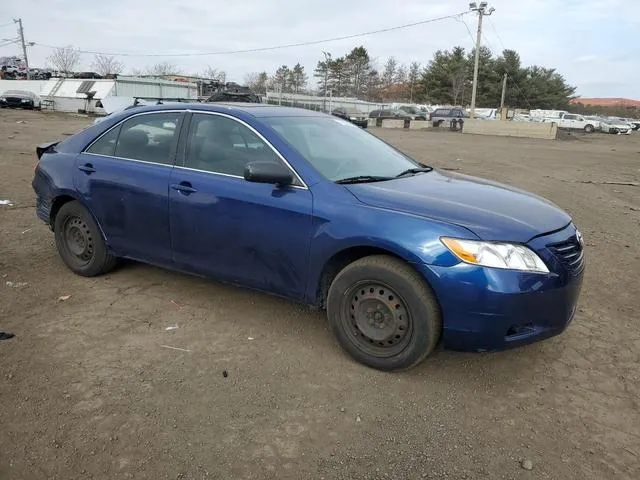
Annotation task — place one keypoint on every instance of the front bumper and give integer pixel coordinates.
(488, 309)
(16, 103)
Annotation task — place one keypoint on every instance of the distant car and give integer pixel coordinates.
(634, 122)
(416, 113)
(85, 75)
(20, 99)
(628, 121)
(305, 206)
(390, 113)
(612, 125)
(243, 97)
(573, 121)
(352, 115)
(445, 115)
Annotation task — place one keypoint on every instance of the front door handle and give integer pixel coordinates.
(87, 168)
(184, 187)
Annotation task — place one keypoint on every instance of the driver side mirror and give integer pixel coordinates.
(268, 172)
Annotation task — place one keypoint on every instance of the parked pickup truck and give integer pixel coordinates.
(574, 122)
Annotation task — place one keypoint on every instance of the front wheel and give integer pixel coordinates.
(589, 128)
(383, 313)
(80, 242)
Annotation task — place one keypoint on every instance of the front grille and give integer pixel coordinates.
(13, 101)
(570, 253)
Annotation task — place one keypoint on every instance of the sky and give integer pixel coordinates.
(594, 44)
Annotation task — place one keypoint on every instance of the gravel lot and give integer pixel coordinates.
(87, 389)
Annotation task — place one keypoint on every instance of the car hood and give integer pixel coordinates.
(491, 210)
(25, 96)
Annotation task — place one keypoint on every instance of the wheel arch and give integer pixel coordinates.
(340, 259)
(64, 198)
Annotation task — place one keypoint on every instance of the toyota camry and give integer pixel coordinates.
(307, 206)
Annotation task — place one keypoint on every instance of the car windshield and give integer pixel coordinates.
(340, 150)
(411, 110)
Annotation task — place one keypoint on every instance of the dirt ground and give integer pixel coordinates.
(88, 388)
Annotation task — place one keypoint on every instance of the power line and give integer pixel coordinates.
(6, 24)
(264, 49)
(8, 42)
(514, 83)
(473, 41)
(497, 34)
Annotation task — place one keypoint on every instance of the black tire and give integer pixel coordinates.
(589, 128)
(80, 242)
(438, 123)
(383, 313)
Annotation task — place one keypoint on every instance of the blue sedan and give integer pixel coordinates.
(310, 207)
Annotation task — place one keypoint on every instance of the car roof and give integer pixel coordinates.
(258, 110)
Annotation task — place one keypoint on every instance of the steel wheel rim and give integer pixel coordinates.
(376, 319)
(78, 240)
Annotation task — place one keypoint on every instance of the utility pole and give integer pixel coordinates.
(24, 45)
(482, 10)
(504, 91)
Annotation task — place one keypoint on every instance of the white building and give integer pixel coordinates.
(86, 95)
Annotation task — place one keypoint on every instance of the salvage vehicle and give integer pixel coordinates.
(310, 207)
(352, 115)
(613, 125)
(416, 113)
(390, 113)
(20, 99)
(447, 115)
(572, 121)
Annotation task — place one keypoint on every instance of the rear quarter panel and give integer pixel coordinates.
(53, 178)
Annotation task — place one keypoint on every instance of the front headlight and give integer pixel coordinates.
(24, 100)
(496, 254)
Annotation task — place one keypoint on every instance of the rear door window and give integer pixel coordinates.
(149, 137)
(106, 144)
(442, 112)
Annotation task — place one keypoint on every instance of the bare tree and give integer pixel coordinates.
(163, 68)
(215, 74)
(106, 65)
(257, 82)
(65, 59)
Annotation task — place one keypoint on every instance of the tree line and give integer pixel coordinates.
(445, 79)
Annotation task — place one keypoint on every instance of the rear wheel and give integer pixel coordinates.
(383, 313)
(80, 243)
(589, 128)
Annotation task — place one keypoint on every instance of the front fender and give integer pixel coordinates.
(413, 238)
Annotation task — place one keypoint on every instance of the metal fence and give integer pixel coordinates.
(320, 104)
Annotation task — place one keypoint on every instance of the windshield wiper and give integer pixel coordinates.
(364, 179)
(413, 171)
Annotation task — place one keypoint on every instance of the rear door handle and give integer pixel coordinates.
(184, 187)
(87, 168)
